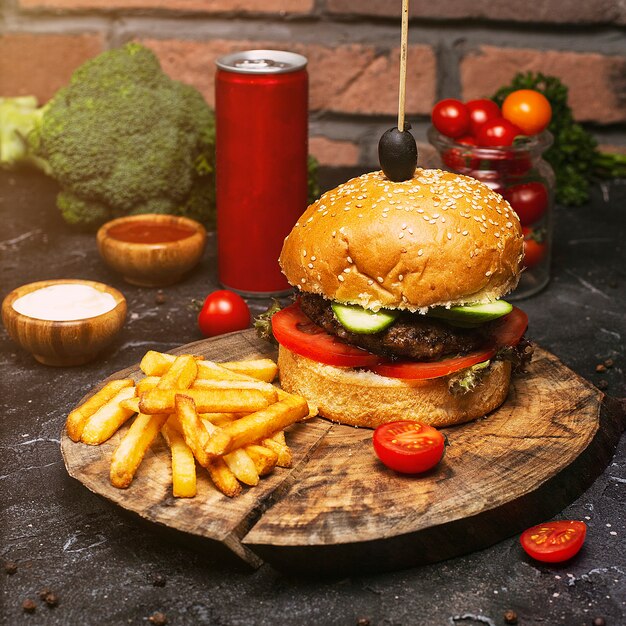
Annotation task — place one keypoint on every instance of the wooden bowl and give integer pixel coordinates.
(63, 343)
(152, 264)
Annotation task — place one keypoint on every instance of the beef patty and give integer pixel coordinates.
(412, 335)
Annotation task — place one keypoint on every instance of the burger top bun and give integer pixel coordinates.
(438, 239)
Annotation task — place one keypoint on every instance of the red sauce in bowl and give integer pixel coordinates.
(146, 231)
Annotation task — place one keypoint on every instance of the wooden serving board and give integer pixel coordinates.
(339, 509)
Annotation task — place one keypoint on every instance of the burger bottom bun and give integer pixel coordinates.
(362, 398)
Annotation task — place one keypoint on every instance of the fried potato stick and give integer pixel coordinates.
(77, 418)
(183, 462)
(256, 426)
(268, 390)
(131, 450)
(108, 418)
(261, 369)
(205, 400)
(181, 374)
(265, 459)
(196, 436)
(282, 450)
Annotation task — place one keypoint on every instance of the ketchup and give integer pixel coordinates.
(146, 231)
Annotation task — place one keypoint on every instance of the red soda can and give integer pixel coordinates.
(261, 108)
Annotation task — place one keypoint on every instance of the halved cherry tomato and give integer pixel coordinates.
(535, 247)
(450, 118)
(408, 447)
(423, 370)
(529, 201)
(294, 330)
(481, 111)
(223, 311)
(554, 542)
(498, 132)
(528, 109)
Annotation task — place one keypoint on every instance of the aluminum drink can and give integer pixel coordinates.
(261, 108)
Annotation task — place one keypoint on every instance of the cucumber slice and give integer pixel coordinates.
(359, 320)
(472, 313)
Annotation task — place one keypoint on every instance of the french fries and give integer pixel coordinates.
(256, 426)
(206, 400)
(129, 454)
(77, 419)
(107, 419)
(183, 462)
(227, 417)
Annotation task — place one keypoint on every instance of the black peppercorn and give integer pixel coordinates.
(158, 619)
(510, 617)
(160, 297)
(10, 567)
(158, 580)
(29, 606)
(363, 621)
(52, 600)
(602, 384)
(609, 363)
(598, 621)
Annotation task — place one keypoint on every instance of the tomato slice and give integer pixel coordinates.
(408, 447)
(509, 329)
(294, 330)
(506, 331)
(422, 370)
(554, 542)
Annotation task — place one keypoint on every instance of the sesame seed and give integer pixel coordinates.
(334, 234)
(340, 278)
(400, 276)
(449, 235)
(411, 231)
(310, 266)
(420, 252)
(303, 280)
(464, 232)
(313, 258)
(349, 259)
(370, 282)
(347, 270)
(404, 226)
(400, 235)
(497, 234)
(488, 273)
(304, 253)
(379, 279)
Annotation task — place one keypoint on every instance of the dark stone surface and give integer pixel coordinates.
(101, 563)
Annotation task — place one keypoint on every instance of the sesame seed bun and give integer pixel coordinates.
(362, 398)
(439, 239)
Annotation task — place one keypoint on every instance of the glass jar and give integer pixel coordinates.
(521, 175)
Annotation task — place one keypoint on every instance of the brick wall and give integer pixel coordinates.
(462, 48)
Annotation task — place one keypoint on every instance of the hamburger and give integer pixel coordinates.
(399, 312)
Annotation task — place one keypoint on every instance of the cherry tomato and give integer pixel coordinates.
(481, 111)
(554, 542)
(527, 109)
(408, 447)
(223, 311)
(497, 132)
(294, 330)
(529, 201)
(422, 370)
(450, 118)
(534, 247)
(459, 159)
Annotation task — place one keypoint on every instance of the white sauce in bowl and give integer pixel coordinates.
(65, 303)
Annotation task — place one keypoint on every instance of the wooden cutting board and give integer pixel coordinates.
(339, 509)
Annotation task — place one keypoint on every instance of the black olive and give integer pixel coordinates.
(397, 154)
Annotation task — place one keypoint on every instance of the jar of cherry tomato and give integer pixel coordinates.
(520, 174)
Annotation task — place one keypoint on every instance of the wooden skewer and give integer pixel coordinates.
(403, 48)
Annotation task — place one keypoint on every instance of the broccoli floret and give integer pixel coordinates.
(122, 137)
